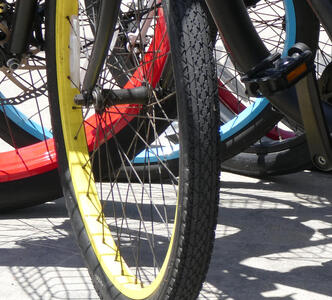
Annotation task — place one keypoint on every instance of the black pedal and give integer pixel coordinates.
(275, 74)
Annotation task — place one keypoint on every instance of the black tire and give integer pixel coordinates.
(199, 167)
(30, 191)
(271, 159)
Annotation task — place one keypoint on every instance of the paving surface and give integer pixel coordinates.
(274, 241)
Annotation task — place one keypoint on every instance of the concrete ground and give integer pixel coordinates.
(273, 241)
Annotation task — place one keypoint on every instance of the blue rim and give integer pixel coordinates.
(23, 122)
(157, 154)
(252, 111)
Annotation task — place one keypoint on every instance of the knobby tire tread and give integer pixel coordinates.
(190, 23)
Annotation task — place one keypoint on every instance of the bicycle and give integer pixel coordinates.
(268, 157)
(309, 94)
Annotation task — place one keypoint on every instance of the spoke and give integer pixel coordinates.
(134, 207)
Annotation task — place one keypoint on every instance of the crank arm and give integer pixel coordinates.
(316, 131)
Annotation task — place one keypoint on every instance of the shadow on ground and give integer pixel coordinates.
(278, 248)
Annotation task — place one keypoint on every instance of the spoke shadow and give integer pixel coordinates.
(39, 258)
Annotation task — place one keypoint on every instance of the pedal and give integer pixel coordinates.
(275, 74)
(296, 70)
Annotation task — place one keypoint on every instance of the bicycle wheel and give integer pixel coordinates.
(140, 241)
(22, 77)
(24, 162)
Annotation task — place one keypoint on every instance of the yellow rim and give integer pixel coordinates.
(77, 155)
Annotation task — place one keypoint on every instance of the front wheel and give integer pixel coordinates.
(140, 239)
